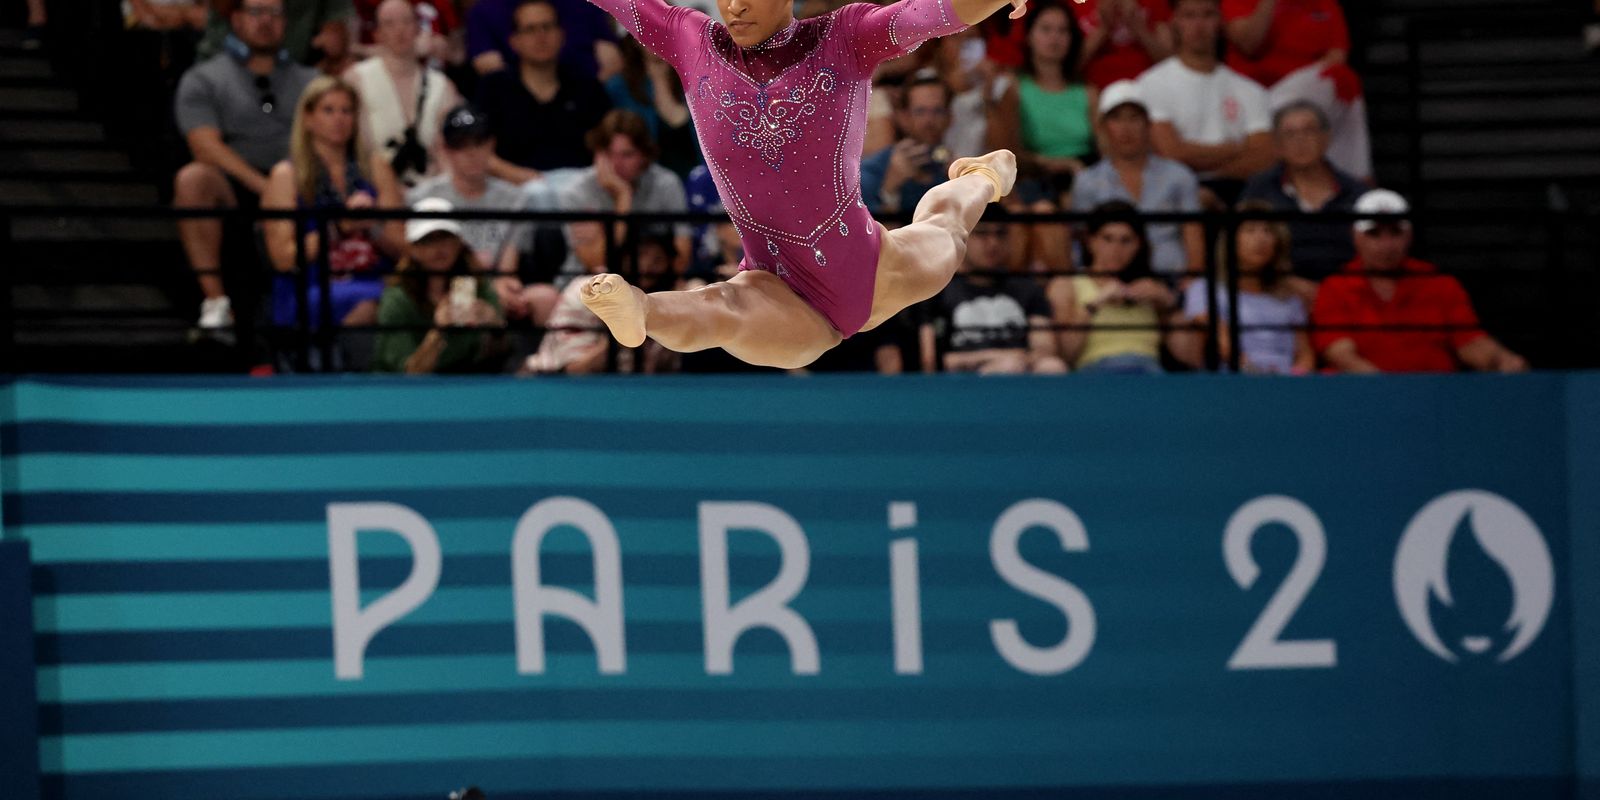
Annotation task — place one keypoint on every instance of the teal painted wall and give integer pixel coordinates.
(183, 601)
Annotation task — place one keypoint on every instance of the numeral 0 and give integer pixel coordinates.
(1261, 647)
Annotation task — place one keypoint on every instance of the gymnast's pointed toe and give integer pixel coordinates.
(619, 305)
(1000, 167)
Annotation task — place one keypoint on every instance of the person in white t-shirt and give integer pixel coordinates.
(1203, 114)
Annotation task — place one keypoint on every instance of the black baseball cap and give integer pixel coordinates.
(465, 126)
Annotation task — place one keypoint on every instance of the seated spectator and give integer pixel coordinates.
(895, 178)
(1120, 307)
(647, 86)
(1212, 119)
(441, 38)
(589, 39)
(329, 166)
(1266, 298)
(438, 290)
(540, 110)
(38, 18)
(1304, 180)
(718, 247)
(236, 110)
(625, 179)
(312, 28)
(1130, 172)
(1384, 286)
(652, 264)
(575, 341)
(1298, 49)
(1121, 38)
(1047, 116)
(166, 15)
(467, 185)
(404, 100)
(975, 83)
(991, 324)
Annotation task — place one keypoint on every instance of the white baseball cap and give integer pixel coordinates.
(1120, 93)
(419, 229)
(1380, 201)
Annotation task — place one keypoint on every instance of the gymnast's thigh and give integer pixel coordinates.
(914, 263)
(771, 313)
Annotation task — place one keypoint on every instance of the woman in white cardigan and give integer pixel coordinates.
(404, 101)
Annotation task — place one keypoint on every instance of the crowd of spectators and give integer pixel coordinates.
(1114, 107)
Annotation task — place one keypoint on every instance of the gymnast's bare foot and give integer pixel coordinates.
(617, 304)
(1000, 167)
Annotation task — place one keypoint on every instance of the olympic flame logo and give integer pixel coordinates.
(1506, 535)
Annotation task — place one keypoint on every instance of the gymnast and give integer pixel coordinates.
(780, 107)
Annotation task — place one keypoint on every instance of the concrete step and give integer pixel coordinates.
(68, 229)
(1565, 48)
(92, 298)
(1500, 111)
(65, 132)
(40, 193)
(1586, 86)
(1553, 142)
(66, 160)
(25, 67)
(1564, 168)
(17, 100)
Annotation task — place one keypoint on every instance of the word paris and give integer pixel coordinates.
(1503, 531)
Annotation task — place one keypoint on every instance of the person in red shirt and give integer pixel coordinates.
(1298, 50)
(1384, 286)
(1121, 38)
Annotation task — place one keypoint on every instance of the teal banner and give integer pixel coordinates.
(1187, 587)
(19, 713)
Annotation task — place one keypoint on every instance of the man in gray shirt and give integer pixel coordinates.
(1132, 173)
(236, 110)
(626, 179)
(468, 147)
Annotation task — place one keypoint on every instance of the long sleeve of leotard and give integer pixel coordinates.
(668, 31)
(878, 33)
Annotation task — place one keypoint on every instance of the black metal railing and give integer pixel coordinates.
(315, 340)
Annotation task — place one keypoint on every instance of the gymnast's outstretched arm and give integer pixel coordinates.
(667, 30)
(879, 33)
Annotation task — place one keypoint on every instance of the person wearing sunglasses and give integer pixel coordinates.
(236, 110)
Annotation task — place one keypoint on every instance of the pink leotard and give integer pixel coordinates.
(782, 126)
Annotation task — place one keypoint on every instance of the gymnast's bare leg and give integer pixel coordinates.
(759, 320)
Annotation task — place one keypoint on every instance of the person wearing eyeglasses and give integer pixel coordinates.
(313, 30)
(896, 177)
(236, 110)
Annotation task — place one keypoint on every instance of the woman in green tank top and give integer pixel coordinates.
(1047, 117)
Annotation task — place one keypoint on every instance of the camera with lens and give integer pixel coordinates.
(409, 155)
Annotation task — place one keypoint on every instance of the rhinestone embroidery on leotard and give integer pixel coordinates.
(844, 230)
(769, 124)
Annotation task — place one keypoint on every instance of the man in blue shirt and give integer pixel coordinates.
(895, 178)
(1133, 173)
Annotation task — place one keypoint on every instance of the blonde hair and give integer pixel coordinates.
(307, 167)
(1276, 270)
